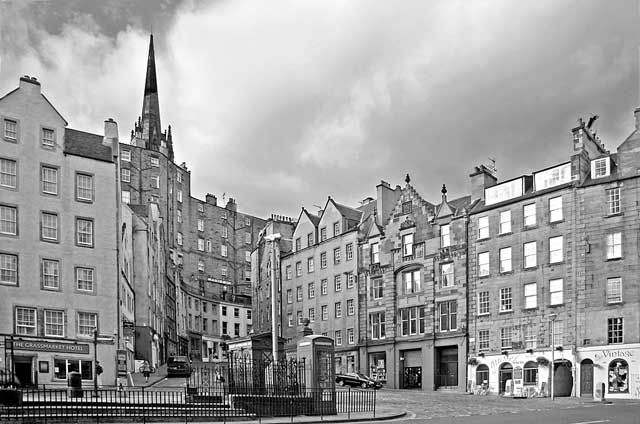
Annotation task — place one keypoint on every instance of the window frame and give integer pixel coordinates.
(505, 256)
(12, 222)
(27, 325)
(529, 216)
(56, 275)
(483, 227)
(80, 219)
(6, 175)
(526, 258)
(62, 325)
(43, 183)
(45, 215)
(554, 249)
(614, 290)
(614, 198)
(445, 235)
(484, 268)
(79, 189)
(556, 209)
(504, 226)
(614, 245)
(484, 303)
(554, 290)
(506, 299)
(615, 330)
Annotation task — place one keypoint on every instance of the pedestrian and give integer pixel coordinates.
(146, 370)
(99, 372)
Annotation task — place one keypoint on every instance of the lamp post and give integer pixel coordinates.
(95, 362)
(274, 238)
(552, 319)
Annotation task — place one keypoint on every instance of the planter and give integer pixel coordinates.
(473, 361)
(542, 360)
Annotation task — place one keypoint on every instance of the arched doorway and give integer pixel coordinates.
(563, 378)
(482, 375)
(586, 378)
(505, 373)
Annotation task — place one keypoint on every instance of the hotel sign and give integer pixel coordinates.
(43, 346)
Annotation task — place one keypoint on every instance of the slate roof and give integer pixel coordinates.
(367, 209)
(349, 213)
(87, 145)
(140, 210)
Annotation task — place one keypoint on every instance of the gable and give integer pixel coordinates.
(304, 227)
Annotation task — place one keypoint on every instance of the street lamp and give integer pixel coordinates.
(552, 319)
(95, 362)
(273, 238)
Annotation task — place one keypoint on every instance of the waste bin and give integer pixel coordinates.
(75, 385)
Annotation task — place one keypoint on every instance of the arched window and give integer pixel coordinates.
(530, 373)
(618, 373)
(482, 374)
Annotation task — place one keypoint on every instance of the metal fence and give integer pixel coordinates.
(140, 405)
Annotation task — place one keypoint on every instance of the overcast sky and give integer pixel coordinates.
(282, 103)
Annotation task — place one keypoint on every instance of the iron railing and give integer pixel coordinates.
(160, 404)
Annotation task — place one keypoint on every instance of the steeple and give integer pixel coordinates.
(148, 133)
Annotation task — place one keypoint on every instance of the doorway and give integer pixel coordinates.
(24, 370)
(505, 373)
(447, 373)
(586, 378)
(412, 378)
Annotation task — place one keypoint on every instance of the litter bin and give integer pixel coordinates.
(75, 384)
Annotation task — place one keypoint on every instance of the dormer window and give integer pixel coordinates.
(600, 167)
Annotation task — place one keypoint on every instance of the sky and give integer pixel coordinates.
(282, 103)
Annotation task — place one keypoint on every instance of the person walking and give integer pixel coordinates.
(146, 370)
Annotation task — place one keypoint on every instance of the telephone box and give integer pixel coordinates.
(318, 353)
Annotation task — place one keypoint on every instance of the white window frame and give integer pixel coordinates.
(529, 215)
(445, 235)
(483, 227)
(125, 155)
(505, 222)
(223, 251)
(555, 209)
(8, 220)
(484, 266)
(556, 249)
(80, 326)
(447, 275)
(600, 168)
(530, 254)
(49, 180)
(505, 260)
(613, 201)
(484, 303)
(614, 245)
(48, 314)
(506, 299)
(85, 278)
(155, 162)
(407, 245)
(84, 193)
(50, 277)
(530, 295)
(50, 226)
(8, 173)
(375, 253)
(201, 244)
(351, 309)
(29, 326)
(556, 291)
(614, 290)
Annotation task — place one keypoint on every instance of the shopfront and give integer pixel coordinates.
(378, 366)
(345, 361)
(617, 367)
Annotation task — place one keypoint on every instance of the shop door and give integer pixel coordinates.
(24, 371)
(505, 374)
(412, 378)
(586, 378)
(448, 368)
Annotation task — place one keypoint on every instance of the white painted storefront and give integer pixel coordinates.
(617, 367)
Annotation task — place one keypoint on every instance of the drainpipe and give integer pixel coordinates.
(466, 295)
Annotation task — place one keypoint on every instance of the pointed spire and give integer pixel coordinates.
(444, 193)
(151, 86)
(407, 179)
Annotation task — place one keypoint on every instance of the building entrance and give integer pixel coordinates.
(586, 378)
(412, 378)
(24, 370)
(447, 372)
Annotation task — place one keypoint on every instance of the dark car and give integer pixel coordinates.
(178, 366)
(357, 379)
(7, 381)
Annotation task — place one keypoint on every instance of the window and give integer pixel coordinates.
(49, 226)
(407, 207)
(614, 245)
(506, 299)
(179, 215)
(530, 336)
(312, 314)
(299, 317)
(351, 310)
(155, 162)
(325, 312)
(200, 207)
(323, 234)
(298, 244)
(8, 220)
(84, 279)
(224, 231)
(290, 319)
(200, 265)
(448, 312)
(247, 238)
(411, 280)
(483, 227)
(200, 224)
(349, 251)
(445, 236)
(556, 291)
(247, 221)
(555, 209)
(288, 272)
(10, 130)
(289, 296)
(179, 177)
(311, 290)
(84, 232)
(336, 228)
(84, 187)
(223, 250)
(309, 239)
(62, 368)
(375, 253)
(49, 180)
(337, 283)
(530, 373)
(351, 279)
(299, 293)
(483, 264)
(618, 376)
(201, 244)
(224, 309)
(377, 287)
(53, 323)
(336, 255)
(555, 249)
(26, 321)
(529, 212)
(505, 222)
(412, 321)
(613, 201)
(482, 374)
(125, 175)
(615, 330)
(483, 340)
(530, 255)
(179, 196)
(155, 181)
(505, 337)
(324, 286)
(224, 327)
(600, 167)
(377, 325)
(180, 240)
(483, 303)
(407, 245)
(87, 323)
(558, 327)
(338, 309)
(350, 336)
(338, 337)
(505, 259)
(236, 312)
(50, 274)
(530, 295)
(446, 275)
(323, 260)
(48, 138)
(614, 290)
(8, 173)
(310, 265)
(247, 256)
(298, 269)
(125, 155)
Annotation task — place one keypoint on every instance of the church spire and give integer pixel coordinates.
(151, 133)
(151, 86)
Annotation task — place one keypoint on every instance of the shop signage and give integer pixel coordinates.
(43, 346)
(610, 354)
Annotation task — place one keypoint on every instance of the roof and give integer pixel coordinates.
(140, 210)
(315, 219)
(84, 144)
(368, 208)
(349, 213)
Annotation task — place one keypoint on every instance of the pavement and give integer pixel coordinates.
(157, 376)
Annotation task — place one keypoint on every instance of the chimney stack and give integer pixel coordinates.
(30, 84)
(110, 138)
(481, 178)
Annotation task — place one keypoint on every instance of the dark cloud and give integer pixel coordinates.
(282, 105)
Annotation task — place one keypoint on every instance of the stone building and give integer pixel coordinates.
(58, 230)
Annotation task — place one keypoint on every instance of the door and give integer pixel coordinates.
(24, 370)
(586, 378)
(505, 373)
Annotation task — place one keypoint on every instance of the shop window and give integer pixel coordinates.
(530, 373)
(618, 372)
(482, 374)
(62, 368)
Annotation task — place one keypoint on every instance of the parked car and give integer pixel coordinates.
(178, 366)
(357, 379)
(6, 381)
